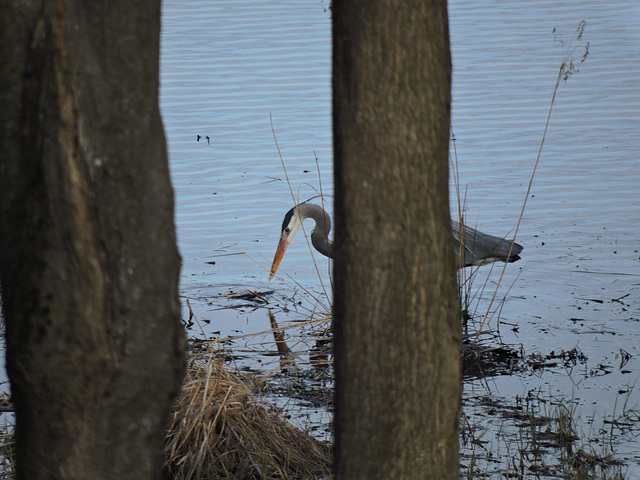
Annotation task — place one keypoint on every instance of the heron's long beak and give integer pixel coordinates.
(282, 247)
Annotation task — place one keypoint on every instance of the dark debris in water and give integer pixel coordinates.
(481, 361)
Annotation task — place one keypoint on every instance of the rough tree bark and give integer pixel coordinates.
(88, 258)
(397, 323)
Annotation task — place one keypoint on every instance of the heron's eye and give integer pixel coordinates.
(287, 230)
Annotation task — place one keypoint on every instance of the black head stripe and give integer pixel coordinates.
(288, 217)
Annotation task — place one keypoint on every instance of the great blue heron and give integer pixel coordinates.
(478, 248)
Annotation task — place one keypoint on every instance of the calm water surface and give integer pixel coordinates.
(234, 71)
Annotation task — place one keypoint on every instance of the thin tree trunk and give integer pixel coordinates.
(88, 257)
(397, 323)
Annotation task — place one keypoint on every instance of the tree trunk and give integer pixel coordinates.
(398, 372)
(88, 258)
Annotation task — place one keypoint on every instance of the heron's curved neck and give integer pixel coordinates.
(320, 234)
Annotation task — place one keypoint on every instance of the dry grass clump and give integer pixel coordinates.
(219, 430)
(7, 453)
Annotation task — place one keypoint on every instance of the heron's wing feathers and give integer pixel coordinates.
(479, 248)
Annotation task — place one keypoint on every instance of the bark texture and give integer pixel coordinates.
(88, 257)
(396, 304)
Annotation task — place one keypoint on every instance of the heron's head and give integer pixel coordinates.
(290, 226)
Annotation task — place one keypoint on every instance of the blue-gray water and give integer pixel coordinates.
(233, 70)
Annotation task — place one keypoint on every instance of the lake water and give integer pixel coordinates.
(238, 71)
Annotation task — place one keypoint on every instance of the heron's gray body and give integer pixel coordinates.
(478, 248)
